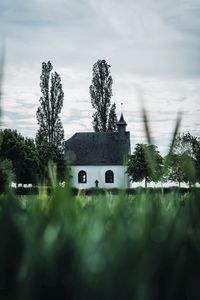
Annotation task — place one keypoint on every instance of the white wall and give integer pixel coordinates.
(98, 173)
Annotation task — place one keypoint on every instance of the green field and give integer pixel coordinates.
(142, 246)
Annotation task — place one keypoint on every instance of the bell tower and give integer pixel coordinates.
(121, 124)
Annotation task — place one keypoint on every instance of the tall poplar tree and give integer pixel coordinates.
(104, 118)
(50, 135)
(51, 103)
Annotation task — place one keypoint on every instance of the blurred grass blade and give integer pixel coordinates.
(2, 55)
(52, 174)
(146, 127)
(178, 123)
(169, 155)
(149, 150)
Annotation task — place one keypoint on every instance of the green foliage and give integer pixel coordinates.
(30, 173)
(185, 161)
(46, 153)
(104, 118)
(22, 153)
(142, 246)
(182, 169)
(145, 163)
(188, 144)
(30, 163)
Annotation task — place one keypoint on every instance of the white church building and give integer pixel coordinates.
(98, 159)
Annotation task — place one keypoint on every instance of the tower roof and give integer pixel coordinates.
(121, 121)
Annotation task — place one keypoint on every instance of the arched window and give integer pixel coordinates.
(109, 176)
(82, 177)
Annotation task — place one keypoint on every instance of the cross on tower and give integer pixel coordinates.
(121, 107)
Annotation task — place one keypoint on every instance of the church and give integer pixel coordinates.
(98, 159)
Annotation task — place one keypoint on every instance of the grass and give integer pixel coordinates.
(143, 246)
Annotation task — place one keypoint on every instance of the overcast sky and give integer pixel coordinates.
(153, 48)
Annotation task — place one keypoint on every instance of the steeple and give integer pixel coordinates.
(121, 124)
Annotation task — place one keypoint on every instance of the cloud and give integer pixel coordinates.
(148, 42)
(136, 36)
(183, 17)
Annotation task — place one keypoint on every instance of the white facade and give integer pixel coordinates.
(93, 173)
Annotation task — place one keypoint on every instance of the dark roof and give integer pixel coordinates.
(121, 121)
(97, 148)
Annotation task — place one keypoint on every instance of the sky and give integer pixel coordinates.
(152, 46)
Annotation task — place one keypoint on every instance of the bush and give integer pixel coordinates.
(100, 191)
(25, 190)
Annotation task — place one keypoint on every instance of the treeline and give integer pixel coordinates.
(25, 161)
(182, 165)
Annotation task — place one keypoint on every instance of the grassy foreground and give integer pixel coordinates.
(144, 246)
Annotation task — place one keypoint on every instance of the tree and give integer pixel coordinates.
(50, 135)
(51, 102)
(101, 93)
(188, 144)
(140, 164)
(22, 153)
(12, 148)
(185, 164)
(182, 169)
